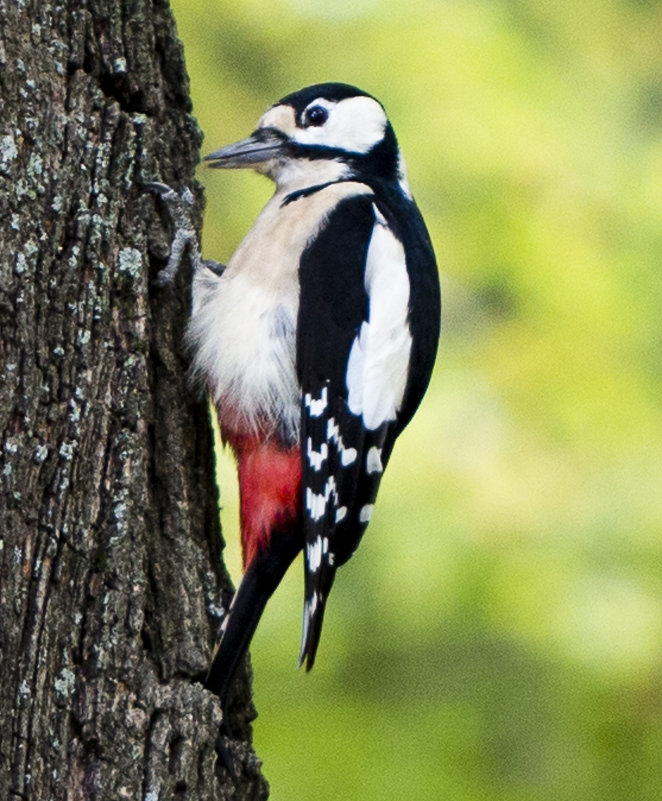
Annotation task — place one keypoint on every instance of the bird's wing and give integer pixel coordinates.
(353, 351)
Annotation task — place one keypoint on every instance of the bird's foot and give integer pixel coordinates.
(179, 209)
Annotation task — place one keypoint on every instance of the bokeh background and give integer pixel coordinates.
(498, 635)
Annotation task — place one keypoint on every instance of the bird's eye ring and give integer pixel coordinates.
(316, 116)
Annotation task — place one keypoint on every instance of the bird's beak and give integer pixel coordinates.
(262, 145)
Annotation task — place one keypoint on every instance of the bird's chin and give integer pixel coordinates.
(269, 168)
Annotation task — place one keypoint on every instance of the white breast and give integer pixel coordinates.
(243, 322)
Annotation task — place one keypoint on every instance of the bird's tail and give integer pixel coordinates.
(261, 578)
(318, 585)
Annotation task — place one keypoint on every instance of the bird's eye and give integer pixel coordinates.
(317, 115)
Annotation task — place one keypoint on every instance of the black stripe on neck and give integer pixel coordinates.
(310, 190)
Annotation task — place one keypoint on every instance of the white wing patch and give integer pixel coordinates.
(378, 362)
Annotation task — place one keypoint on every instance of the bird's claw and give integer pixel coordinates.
(168, 193)
(178, 206)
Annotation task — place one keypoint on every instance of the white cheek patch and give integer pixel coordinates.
(355, 124)
(378, 363)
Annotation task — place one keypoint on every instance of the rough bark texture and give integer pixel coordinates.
(111, 582)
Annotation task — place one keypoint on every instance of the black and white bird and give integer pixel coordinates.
(317, 342)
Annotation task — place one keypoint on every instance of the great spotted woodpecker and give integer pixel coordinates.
(316, 342)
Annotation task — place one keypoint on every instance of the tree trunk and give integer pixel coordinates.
(111, 581)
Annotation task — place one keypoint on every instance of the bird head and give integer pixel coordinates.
(325, 132)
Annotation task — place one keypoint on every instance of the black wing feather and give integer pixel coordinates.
(342, 460)
(333, 305)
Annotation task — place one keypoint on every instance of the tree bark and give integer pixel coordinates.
(111, 579)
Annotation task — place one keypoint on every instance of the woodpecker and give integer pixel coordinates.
(316, 341)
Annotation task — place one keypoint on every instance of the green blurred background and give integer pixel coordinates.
(499, 633)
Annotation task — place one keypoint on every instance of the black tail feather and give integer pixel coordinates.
(238, 629)
(318, 587)
(260, 580)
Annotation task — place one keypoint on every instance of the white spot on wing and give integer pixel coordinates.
(341, 514)
(378, 362)
(366, 513)
(373, 460)
(347, 455)
(314, 555)
(316, 458)
(316, 406)
(316, 502)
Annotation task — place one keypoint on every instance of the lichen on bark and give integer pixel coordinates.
(111, 573)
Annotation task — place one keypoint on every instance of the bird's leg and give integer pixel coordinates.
(179, 209)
